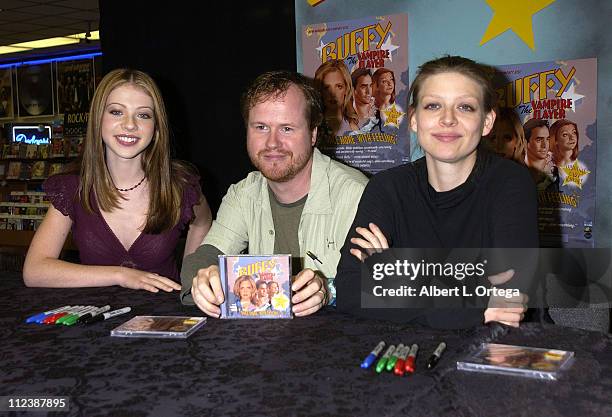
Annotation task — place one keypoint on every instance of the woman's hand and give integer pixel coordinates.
(141, 280)
(506, 310)
(372, 240)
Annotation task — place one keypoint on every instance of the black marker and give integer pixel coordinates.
(89, 315)
(108, 315)
(313, 257)
(435, 356)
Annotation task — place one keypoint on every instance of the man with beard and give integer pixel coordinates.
(299, 200)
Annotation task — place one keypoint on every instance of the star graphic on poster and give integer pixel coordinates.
(320, 48)
(574, 174)
(388, 45)
(571, 93)
(393, 115)
(280, 302)
(516, 15)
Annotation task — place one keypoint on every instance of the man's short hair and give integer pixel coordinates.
(274, 85)
(532, 124)
(358, 73)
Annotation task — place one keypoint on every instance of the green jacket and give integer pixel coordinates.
(244, 219)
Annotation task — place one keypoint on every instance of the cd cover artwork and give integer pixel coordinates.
(518, 360)
(178, 327)
(256, 287)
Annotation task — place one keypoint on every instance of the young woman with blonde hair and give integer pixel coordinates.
(334, 81)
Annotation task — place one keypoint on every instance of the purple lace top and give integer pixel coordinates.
(97, 243)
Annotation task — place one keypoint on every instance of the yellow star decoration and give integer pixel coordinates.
(393, 115)
(574, 174)
(516, 15)
(280, 302)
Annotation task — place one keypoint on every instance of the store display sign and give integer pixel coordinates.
(75, 124)
(32, 135)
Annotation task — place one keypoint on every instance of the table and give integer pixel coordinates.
(300, 367)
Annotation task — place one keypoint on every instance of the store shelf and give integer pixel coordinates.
(22, 238)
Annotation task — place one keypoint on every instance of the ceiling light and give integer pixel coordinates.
(46, 43)
(12, 49)
(50, 42)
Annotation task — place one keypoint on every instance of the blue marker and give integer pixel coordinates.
(40, 320)
(39, 316)
(369, 360)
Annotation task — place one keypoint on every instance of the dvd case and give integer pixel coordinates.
(518, 360)
(256, 286)
(177, 327)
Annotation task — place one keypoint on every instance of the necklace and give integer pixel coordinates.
(131, 188)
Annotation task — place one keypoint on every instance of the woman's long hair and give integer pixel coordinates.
(167, 179)
(554, 131)
(336, 65)
(376, 77)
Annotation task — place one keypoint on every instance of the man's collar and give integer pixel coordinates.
(319, 198)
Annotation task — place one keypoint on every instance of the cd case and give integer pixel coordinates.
(256, 286)
(177, 327)
(518, 360)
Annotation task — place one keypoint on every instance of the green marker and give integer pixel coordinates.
(70, 319)
(71, 313)
(62, 319)
(393, 358)
(380, 365)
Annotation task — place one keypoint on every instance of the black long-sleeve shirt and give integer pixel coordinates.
(495, 207)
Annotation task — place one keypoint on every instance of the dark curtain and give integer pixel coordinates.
(202, 57)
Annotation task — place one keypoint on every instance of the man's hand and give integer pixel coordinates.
(310, 293)
(207, 292)
(509, 311)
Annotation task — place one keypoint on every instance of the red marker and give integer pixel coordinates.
(401, 358)
(52, 318)
(411, 360)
